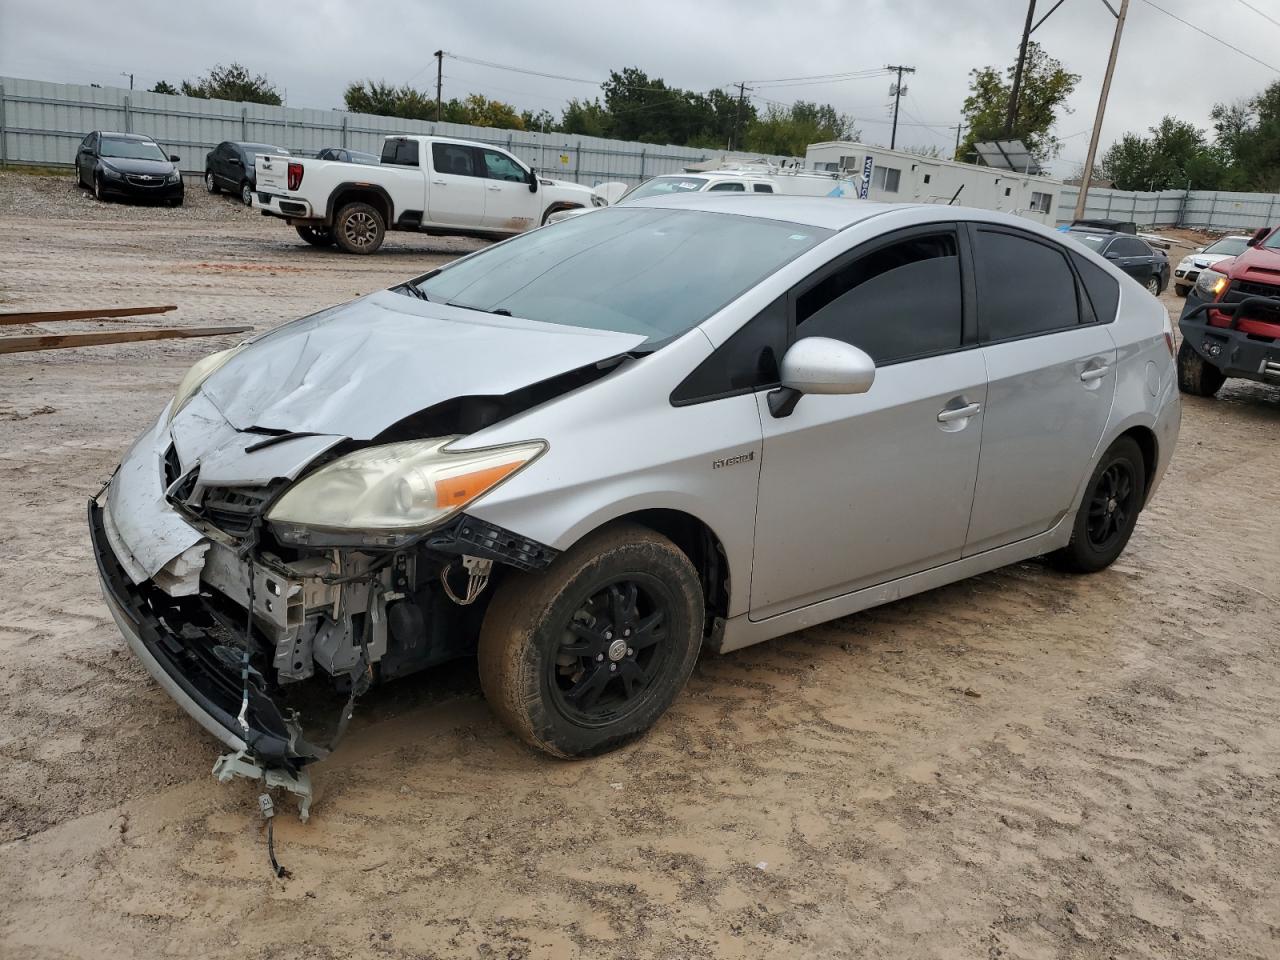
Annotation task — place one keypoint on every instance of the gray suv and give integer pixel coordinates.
(591, 451)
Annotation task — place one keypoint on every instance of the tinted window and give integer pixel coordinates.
(653, 272)
(747, 361)
(1101, 288)
(498, 166)
(1024, 287)
(900, 301)
(1131, 248)
(727, 188)
(762, 188)
(454, 159)
(403, 153)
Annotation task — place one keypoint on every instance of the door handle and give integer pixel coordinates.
(1095, 373)
(495, 188)
(959, 413)
(439, 183)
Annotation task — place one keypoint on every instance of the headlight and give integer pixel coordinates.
(1184, 263)
(382, 496)
(173, 177)
(1211, 283)
(200, 371)
(110, 172)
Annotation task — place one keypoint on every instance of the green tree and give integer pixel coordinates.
(233, 82)
(1249, 141)
(787, 131)
(483, 112)
(1175, 154)
(164, 86)
(1046, 86)
(543, 121)
(587, 118)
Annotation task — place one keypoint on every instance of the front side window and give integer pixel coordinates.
(728, 187)
(1025, 287)
(886, 179)
(498, 166)
(901, 301)
(131, 149)
(653, 272)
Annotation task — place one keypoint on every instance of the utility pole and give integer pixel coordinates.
(130, 76)
(1102, 109)
(737, 119)
(956, 155)
(897, 92)
(439, 55)
(1017, 72)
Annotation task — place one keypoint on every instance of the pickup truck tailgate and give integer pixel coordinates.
(273, 173)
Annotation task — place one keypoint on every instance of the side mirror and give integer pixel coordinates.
(174, 158)
(820, 365)
(1259, 235)
(532, 178)
(1111, 255)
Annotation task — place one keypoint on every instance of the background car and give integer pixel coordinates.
(230, 166)
(1188, 269)
(1150, 267)
(1116, 226)
(128, 165)
(347, 156)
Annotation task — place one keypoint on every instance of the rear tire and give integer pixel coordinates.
(316, 236)
(1196, 375)
(359, 228)
(246, 193)
(1153, 286)
(585, 656)
(1108, 512)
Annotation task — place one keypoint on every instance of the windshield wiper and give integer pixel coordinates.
(413, 291)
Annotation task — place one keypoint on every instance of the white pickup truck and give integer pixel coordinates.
(430, 184)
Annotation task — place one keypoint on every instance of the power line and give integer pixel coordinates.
(1211, 36)
(1265, 16)
(819, 77)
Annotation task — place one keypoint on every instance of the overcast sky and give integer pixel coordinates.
(312, 49)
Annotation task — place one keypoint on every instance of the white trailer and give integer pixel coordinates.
(894, 175)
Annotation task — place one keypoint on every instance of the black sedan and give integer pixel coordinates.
(230, 166)
(347, 156)
(128, 165)
(1150, 267)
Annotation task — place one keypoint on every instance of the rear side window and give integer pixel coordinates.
(403, 153)
(455, 159)
(1100, 287)
(898, 302)
(762, 188)
(1024, 287)
(727, 188)
(1128, 247)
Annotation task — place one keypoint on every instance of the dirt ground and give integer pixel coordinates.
(1022, 765)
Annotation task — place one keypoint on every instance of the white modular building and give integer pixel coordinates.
(895, 175)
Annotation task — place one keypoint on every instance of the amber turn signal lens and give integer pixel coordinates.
(452, 491)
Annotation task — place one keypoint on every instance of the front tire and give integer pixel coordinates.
(359, 228)
(1196, 375)
(1109, 511)
(98, 193)
(211, 183)
(316, 236)
(1180, 290)
(585, 656)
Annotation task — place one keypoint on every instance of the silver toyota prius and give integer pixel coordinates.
(586, 453)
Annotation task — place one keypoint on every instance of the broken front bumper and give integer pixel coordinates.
(190, 650)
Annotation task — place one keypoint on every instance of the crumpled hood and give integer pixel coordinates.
(354, 370)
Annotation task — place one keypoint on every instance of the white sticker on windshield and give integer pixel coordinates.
(798, 236)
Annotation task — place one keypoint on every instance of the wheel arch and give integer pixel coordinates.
(369, 193)
(698, 542)
(1149, 444)
(559, 205)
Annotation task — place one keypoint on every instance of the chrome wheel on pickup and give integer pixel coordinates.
(359, 228)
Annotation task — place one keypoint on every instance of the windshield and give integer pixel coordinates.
(653, 272)
(131, 149)
(661, 186)
(1094, 241)
(1272, 242)
(1228, 247)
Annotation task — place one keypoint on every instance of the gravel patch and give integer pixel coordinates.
(59, 198)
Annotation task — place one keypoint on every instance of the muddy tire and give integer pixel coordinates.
(1108, 512)
(1196, 375)
(316, 236)
(359, 228)
(583, 657)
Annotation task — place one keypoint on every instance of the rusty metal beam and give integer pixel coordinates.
(62, 341)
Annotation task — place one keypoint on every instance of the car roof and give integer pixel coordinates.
(1100, 232)
(123, 136)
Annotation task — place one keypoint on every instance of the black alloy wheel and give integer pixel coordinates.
(613, 649)
(1110, 505)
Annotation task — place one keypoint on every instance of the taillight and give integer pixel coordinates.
(295, 176)
(1168, 342)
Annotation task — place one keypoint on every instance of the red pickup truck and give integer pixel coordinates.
(1231, 323)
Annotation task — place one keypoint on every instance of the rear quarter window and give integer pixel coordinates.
(1100, 287)
(1025, 287)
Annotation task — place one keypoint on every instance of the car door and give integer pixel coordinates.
(857, 490)
(1051, 370)
(508, 204)
(85, 157)
(456, 196)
